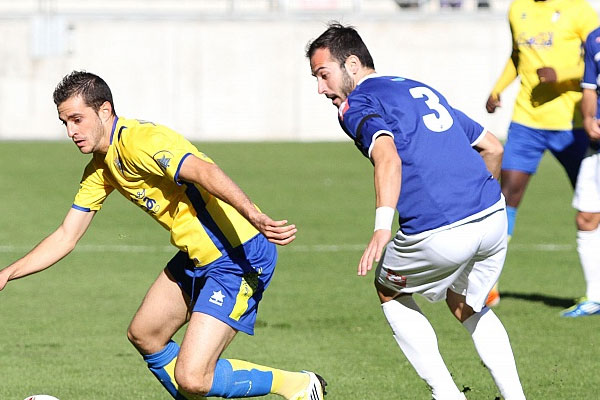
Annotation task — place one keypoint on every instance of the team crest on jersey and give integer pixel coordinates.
(163, 159)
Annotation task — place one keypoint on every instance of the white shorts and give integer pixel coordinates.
(466, 258)
(587, 190)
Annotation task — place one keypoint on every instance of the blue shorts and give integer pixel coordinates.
(525, 147)
(231, 287)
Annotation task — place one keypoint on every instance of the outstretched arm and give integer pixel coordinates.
(217, 183)
(50, 250)
(388, 177)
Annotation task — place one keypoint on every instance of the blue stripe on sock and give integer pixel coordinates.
(511, 214)
(229, 384)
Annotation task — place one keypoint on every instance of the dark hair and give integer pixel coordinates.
(342, 42)
(90, 87)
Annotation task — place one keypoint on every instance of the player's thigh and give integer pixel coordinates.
(587, 191)
(426, 263)
(163, 312)
(205, 339)
(524, 149)
(487, 263)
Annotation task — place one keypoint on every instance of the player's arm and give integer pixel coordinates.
(217, 183)
(589, 106)
(50, 250)
(491, 150)
(387, 178)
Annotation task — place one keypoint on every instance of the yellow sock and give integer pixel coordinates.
(285, 383)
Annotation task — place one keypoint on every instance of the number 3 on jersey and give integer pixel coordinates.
(437, 123)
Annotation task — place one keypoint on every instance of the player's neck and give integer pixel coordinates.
(361, 74)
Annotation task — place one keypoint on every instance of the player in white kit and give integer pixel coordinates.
(587, 191)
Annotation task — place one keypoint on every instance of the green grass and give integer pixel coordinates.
(62, 332)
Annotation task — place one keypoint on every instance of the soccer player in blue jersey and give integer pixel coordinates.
(226, 247)
(438, 169)
(587, 190)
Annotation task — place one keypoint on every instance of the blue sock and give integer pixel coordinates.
(511, 214)
(240, 382)
(161, 364)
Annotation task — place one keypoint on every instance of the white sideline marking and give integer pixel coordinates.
(296, 248)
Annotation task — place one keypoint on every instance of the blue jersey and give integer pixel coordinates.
(591, 75)
(444, 180)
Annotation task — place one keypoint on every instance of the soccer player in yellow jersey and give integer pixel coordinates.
(547, 37)
(226, 247)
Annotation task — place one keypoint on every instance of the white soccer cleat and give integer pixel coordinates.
(315, 389)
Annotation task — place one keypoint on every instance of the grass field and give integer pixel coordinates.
(62, 332)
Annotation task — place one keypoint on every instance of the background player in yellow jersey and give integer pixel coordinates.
(227, 247)
(547, 39)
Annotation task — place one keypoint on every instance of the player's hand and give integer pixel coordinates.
(592, 127)
(492, 103)
(277, 232)
(547, 75)
(3, 280)
(373, 252)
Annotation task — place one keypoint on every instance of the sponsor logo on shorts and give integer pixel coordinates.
(396, 279)
(217, 298)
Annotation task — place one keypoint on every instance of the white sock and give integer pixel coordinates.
(416, 337)
(588, 247)
(492, 344)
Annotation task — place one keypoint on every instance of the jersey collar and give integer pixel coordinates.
(371, 75)
(114, 127)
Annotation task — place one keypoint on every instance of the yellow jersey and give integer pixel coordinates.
(142, 163)
(548, 34)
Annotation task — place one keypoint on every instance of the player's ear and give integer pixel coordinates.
(105, 111)
(352, 64)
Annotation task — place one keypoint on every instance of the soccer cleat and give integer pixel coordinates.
(315, 389)
(493, 297)
(583, 308)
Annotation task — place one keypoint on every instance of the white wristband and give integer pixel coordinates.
(384, 216)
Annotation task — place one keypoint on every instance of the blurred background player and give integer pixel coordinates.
(227, 247)
(429, 160)
(547, 38)
(587, 192)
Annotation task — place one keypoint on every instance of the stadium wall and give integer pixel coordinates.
(219, 79)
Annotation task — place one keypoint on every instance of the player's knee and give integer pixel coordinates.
(193, 383)
(141, 341)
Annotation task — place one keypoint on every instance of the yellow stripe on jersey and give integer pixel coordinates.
(548, 34)
(248, 286)
(142, 163)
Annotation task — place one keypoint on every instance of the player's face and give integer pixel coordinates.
(332, 79)
(84, 125)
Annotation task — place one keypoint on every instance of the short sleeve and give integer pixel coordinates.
(363, 122)
(590, 74)
(473, 130)
(161, 151)
(93, 189)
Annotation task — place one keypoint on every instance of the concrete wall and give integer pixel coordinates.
(217, 79)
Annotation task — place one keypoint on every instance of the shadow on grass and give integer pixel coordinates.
(552, 301)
